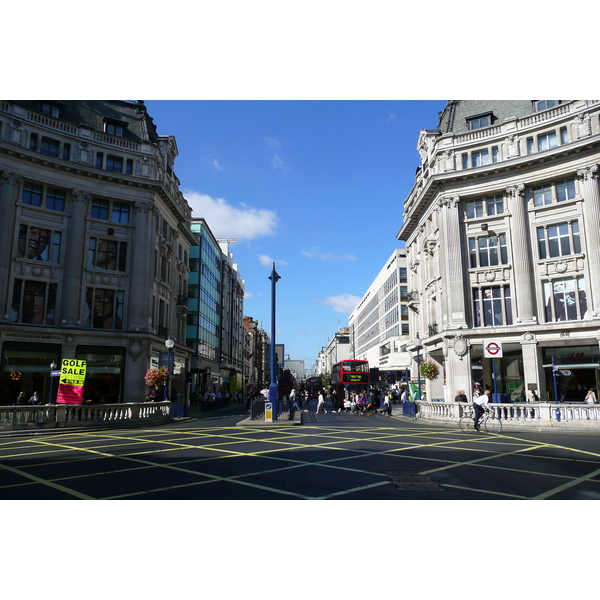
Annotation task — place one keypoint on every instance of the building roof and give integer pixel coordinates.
(93, 113)
(453, 119)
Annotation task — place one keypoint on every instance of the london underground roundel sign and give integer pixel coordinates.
(492, 349)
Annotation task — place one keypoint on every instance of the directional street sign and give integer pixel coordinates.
(564, 372)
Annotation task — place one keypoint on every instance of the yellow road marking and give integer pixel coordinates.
(47, 482)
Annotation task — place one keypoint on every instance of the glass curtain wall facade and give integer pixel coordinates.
(203, 320)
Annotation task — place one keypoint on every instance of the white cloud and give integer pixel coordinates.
(227, 221)
(213, 162)
(316, 253)
(344, 303)
(277, 163)
(267, 261)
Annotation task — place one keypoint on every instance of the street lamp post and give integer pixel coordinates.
(52, 368)
(418, 345)
(169, 344)
(274, 277)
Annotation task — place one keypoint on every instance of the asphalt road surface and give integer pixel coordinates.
(333, 456)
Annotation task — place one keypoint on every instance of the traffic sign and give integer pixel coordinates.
(492, 349)
(564, 372)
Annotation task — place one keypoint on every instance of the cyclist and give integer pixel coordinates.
(480, 405)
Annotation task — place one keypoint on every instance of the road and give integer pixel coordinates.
(333, 456)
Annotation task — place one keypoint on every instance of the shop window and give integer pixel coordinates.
(492, 306)
(33, 302)
(39, 244)
(565, 299)
(103, 308)
(109, 255)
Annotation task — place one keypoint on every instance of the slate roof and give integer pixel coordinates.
(140, 126)
(453, 119)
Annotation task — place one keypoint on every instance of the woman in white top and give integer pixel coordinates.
(321, 403)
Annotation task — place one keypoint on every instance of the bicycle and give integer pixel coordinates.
(489, 421)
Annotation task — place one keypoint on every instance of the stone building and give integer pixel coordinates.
(94, 247)
(502, 232)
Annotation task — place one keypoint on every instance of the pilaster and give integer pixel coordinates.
(591, 214)
(521, 255)
(9, 192)
(74, 260)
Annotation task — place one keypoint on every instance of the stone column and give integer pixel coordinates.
(73, 277)
(141, 269)
(9, 192)
(458, 368)
(450, 245)
(521, 256)
(531, 365)
(591, 233)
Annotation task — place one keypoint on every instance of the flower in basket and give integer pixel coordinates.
(429, 369)
(157, 376)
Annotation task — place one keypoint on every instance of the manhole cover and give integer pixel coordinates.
(412, 481)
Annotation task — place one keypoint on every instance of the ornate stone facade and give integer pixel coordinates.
(89, 199)
(516, 219)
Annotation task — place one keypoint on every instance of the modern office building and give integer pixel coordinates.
(232, 321)
(94, 247)
(502, 232)
(379, 325)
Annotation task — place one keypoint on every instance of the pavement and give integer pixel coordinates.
(282, 420)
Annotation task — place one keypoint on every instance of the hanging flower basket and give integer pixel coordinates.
(157, 376)
(429, 370)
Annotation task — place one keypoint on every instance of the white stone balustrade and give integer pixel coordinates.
(67, 416)
(524, 416)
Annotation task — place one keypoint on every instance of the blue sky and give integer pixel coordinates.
(314, 186)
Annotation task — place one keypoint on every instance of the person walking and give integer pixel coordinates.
(293, 399)
(387, 407)
(321, 403)
(590, 397)
(35, 399)
(21, 398)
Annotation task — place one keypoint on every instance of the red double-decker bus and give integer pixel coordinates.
(352, 375)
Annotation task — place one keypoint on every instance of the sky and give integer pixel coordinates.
(315, 187)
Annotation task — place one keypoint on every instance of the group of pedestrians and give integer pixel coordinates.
(358, 403)
(22, 399)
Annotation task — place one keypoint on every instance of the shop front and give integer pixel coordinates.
(577, 369)
(104, 374)
(26, 368)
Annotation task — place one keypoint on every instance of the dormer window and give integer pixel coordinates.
(51, 109)
(544, 104)
(114, 127)
(480, 121)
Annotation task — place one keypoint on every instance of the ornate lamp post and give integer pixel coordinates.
(53, 367)
(169, 344)
(418, 346)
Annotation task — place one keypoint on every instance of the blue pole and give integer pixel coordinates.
(418, 374)
(554, 369)
(273, 387)
(494, 377)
